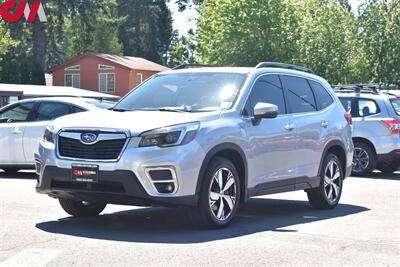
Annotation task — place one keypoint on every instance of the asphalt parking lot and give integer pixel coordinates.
(274, 230)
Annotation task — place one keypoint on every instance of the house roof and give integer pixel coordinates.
(136, 63)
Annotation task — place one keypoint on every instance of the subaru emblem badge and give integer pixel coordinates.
(88, 138)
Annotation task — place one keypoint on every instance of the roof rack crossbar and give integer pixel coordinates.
(188, 66)
(283, 65)
(356, 88)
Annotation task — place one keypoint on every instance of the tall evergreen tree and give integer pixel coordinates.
(147, 29)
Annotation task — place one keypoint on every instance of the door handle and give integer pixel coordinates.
(289, 126)
(17, 131)
(324, 124)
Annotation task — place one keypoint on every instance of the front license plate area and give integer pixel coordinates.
(85, 173)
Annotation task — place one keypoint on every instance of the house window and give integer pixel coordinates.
(139, 78)
(105, 67)
(76, 67)
(72, 80)
(107, 82)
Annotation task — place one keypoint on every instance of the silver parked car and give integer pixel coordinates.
(376, 128)
(204, 138)
(23, 123)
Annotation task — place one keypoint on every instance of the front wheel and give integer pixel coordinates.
(219, 195)
(327, 195)
(81, 208)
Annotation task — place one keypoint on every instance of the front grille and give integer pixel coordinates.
(102, 150)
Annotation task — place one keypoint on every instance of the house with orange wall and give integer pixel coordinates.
(104, 73)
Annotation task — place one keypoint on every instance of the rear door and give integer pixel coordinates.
(46, 112)
(307, 125)
(13, 122)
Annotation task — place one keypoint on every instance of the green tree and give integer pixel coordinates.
(245, 32)
(379, 34)
(147, 29)
(6, 42)
(327, 38)
(182, 50)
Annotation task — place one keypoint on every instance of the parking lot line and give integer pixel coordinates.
(31, 258)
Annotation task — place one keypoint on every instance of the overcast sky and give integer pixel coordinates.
(183, 21)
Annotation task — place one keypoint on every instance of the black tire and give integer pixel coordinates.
(11, 170)
(388, 167)
(205, 215)
(319, 197)
(370, 167)
(81, 209)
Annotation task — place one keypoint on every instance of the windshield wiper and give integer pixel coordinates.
(119, 109)
(175, 109)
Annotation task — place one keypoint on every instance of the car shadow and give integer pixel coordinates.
(168, 225)
(18, 175)
(382, 176)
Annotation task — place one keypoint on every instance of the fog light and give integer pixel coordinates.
(165, 188)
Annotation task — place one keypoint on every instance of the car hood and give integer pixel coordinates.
(136, 122)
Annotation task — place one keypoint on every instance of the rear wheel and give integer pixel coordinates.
(219, 195)
(328, 194)
(388, 167)
(10, 170)
(81, 208)
(364, 159)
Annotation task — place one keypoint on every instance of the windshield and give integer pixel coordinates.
(396, 105)
(188, 92)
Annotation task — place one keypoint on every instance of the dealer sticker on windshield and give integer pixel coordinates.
(85, 173)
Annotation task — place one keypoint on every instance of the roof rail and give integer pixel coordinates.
(357, 88)
(189, 66)
(283, 65)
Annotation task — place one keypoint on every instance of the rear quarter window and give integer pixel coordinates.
(396, 105)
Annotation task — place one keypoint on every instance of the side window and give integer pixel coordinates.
(16, 113)
(267, 89)
(75, 109)
(367, 107)
(48, 111)
(300, 96)
(322, 97)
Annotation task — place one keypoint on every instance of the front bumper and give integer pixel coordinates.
(127, 180)
(114, 187)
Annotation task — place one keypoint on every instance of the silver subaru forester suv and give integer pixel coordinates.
(376, 128)
(205, 138)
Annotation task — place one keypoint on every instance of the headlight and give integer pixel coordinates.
(170, 136)
(48, 136)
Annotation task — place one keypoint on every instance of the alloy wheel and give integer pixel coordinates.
(222, 194)
(360, 160)
(332, 181)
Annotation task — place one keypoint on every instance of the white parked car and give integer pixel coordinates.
(23, 123)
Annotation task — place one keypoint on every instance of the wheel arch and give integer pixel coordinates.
(234, 153)
(337, 148)
(365, 140)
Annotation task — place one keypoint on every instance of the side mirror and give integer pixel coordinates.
(264, 111)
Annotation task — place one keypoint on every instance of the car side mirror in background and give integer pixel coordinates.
(264, 111)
